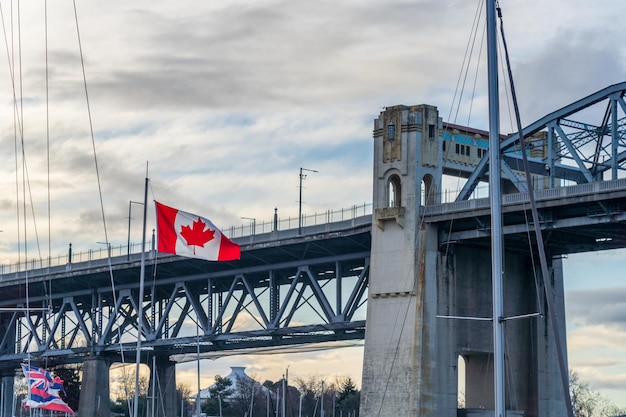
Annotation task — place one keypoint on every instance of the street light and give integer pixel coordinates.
(253, 220)
(130, 204)
(302, 176)
(285, 386)
(108, 244)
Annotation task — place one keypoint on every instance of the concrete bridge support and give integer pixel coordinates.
(94, 392)
(7, 377)
(6, 395)
(163, 387)
(419, 288)
(533, 385)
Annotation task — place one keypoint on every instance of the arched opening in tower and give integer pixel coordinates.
(394, 191)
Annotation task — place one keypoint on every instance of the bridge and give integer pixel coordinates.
(286, 289)
(413, 256)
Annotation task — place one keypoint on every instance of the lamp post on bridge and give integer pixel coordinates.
(108, 245)
(130, 204)
(253, 220)
(302, 177)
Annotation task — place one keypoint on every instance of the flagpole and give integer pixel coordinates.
(141, 293)
(154, 381)
(198, 368)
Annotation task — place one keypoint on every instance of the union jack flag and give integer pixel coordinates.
(44, 390)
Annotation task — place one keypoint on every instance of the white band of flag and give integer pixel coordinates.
(190, 235)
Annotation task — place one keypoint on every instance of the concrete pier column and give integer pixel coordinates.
(403, 344)
(550, 394)
(6, 398)
(430, 302)
(164, 388)
(7, 378)
(94, 392)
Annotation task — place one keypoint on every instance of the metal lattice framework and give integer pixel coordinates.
(306, 290)
(584, 142)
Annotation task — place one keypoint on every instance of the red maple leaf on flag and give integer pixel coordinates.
(197, 235)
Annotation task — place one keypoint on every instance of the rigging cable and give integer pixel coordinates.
(533, 261)
(110, 267)
(480, 51)
(539, 237)
(93, 142)
(506, 89)
(11, 63)
(19, 140)
(469, 48)
(21, 137)
(47, 288)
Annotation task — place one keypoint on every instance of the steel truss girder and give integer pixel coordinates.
(243, 309)
(593, 148)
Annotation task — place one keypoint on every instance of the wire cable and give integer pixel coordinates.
(539, 236)
(95, 156)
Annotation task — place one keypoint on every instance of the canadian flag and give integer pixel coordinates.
(186, 234)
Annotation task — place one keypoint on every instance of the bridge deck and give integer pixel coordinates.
(279, 274)
(285, 290)
(578, 218)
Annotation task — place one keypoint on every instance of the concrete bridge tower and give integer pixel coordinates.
(412, 351)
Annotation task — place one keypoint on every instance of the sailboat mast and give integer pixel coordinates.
(142, 278)
(495, 197)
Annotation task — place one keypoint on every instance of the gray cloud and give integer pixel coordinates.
(598, 306)
(569, 67)
(264, 54)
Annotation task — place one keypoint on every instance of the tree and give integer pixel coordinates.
(183, 392)
(245, 389)
(583, 399)
(125, 392)
(348, 397)
(270, 392)
(589, 403)
(316, 391)
(70, 374)
(309, 390)
(220, 392)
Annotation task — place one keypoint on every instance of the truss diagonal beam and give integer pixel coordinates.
(321, 297)
(255, 300)
(615, 93)
(572, 150)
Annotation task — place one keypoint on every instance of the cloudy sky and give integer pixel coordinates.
(227, 100)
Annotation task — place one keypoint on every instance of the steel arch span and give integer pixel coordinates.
(583, 142)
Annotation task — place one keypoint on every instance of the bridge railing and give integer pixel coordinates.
(251, 229)
(71, 257)
(315, 219)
